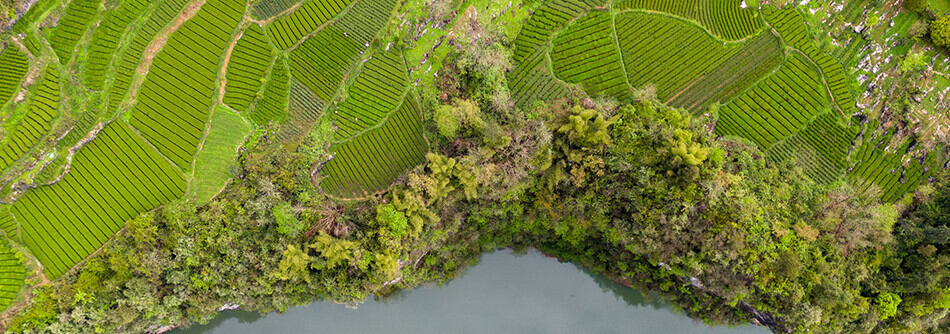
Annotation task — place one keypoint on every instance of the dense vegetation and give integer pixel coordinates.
(163, 159)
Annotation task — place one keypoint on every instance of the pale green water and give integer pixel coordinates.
(504, 293)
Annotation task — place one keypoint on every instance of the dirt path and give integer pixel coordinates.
(824, 82)
(72, 151)
(275, 17)
(32, 73)
(222, 75)
(687, 88)
(156, 45)
(37, 276)
(222, 83)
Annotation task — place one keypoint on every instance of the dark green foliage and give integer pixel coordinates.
(916, 5)
(921, 276)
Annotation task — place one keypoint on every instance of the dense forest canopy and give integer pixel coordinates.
(771, 162)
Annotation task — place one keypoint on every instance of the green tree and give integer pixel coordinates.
(392, 221)
(887, 303)
(916, 5)
(294, 265)
(286, 218)
(940, 31)
(337, 252)
(446, 121)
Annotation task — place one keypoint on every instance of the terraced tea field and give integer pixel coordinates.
(168, 91)
(115, 108)
(773, 87)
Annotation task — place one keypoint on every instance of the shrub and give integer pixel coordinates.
(916, 5)
(287, 222)
(940, 31)
(446, 122)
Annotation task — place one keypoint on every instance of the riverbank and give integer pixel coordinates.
(506, 292)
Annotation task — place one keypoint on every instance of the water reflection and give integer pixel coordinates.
(504, 293)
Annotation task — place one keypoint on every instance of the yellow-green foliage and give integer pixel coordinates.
(447, 174)
(335, 251)
(462, 115)
(294, 266)
(582, 136)
(688, 151)
(446, 122)
(940, 31)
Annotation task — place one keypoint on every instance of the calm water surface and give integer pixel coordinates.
(504, 293)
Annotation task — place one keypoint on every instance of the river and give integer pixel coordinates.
(504, 293)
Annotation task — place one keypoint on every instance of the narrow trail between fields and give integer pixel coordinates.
(72, 151)
(32, 72)
(222, 74)
(156, 46)
(275, 16)
(688, 86)
(824, 82)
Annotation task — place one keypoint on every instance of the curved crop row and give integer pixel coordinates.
(798, 151)
(303, 110)
(12, 274)
(371, 161)
(72, 26)
(32, 43)
(106, 37)
(113, 179)
(128, 64)
(266, 9)
(365, 19)
(755, 60)
(249, 62)
(13, 67)
(887, 171)
(585, 53)
(791, 26)
(272, 106)
(8, 222)
(77, 17)
(551, 16)
(174, 101)
(837, 80)
(288, 30)
(821, 148)
(531, 81)
(321, 61)
(42, 110)
(375, 93)
(667, 53)
(724, 18)
(776, 107)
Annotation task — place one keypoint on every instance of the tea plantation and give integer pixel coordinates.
(135, 104)
(112, 109)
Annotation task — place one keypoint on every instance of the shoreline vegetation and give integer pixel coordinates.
(803, 186)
